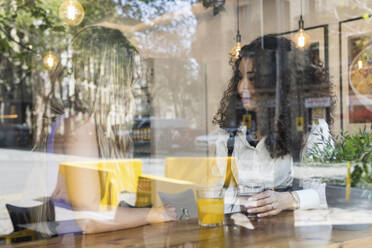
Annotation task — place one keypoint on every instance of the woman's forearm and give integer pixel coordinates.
(124, 218)
(128, 218)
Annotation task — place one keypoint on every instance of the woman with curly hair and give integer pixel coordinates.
(257, 120)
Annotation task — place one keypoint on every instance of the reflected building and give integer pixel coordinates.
(15, 105)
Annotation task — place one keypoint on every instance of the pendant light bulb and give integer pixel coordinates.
(50, 61)
(235, 51)
(360, 64)
(71, 12)
(302, 39)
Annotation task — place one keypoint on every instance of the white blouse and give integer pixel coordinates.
(255, 163)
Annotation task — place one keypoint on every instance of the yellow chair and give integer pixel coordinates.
(108, 177)
(183, 173)
(112, 177)
(202, 170)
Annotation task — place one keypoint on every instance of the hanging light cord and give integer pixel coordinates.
(238, 36)
(301, 21)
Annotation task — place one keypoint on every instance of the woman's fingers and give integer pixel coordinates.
(265, 202)
(252, 203)
(269, 213)
(262, 195)
(265, 208)
(269, 203)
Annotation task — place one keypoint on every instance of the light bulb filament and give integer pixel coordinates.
(360, 64)
(50, 62)
(301, 40)
(71, 12)
(237, 53)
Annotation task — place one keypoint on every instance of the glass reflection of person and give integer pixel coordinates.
(268, 69)
(93, 122)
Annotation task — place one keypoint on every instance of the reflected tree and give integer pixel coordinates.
(29, 28)
(180, 87)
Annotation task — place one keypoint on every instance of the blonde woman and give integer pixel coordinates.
(90, 121)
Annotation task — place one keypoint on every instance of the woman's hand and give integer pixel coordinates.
(270, 203)
(161, 214)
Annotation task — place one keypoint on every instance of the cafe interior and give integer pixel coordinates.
(186, 123)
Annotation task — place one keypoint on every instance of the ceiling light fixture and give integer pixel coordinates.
(50, 61)
(235, 51)
(71, 12)
(301, 38)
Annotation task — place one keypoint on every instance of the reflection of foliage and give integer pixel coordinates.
(180, 87)
(358, 44)
(178, 24)
(28, 28)
(24, 28)
(361, 42)
(342, 10)
(346, 147)
(96, 10)
(217, 5)
(145, 10)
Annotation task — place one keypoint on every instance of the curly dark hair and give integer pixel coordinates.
(282, 74)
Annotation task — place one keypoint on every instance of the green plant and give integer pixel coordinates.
(355, 148)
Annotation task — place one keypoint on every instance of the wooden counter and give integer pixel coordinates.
(278, 231)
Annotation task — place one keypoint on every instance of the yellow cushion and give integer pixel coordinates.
(200, 170)
(108, 177)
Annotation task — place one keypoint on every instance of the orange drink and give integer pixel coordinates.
(211, 211)
(210, 206)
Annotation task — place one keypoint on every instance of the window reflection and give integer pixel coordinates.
(144, 108)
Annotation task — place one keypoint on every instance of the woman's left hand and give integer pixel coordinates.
(270, 203)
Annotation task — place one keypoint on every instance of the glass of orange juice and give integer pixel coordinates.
(210, 206)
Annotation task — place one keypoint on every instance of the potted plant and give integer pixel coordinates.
(355, 148)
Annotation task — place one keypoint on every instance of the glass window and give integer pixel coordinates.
(121, 114)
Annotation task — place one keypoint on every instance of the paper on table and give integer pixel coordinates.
(242, 220)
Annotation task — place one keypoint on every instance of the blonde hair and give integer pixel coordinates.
(105, 66)
(104, 71)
